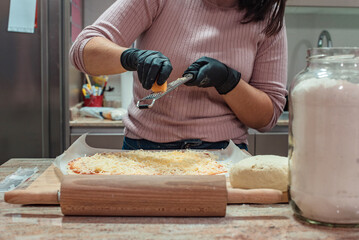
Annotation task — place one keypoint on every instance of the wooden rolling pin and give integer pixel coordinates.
(121, 195)
(154, 195)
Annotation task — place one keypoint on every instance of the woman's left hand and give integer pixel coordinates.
(209, 72)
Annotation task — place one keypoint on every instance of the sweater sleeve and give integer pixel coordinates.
(270, 73)
(121, 23)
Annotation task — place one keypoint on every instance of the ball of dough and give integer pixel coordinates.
(261, 171)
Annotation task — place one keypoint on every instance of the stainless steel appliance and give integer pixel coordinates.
(33, 100)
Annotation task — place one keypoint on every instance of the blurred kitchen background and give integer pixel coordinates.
(41, 91)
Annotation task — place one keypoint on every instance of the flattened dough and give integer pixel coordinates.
(261, 171)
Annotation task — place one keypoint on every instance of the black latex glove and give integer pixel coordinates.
(209, 72)
(150, 66)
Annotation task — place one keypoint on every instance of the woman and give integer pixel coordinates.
(236, 50)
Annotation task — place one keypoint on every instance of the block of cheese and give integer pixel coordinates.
(159, 88)
(261, 171)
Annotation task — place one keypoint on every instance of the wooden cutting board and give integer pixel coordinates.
(44, 190)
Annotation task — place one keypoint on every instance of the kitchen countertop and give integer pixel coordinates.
(283, 120)
(96, 122)
(76, 120)
(246, 221)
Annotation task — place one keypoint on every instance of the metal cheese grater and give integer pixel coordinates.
(149, 101)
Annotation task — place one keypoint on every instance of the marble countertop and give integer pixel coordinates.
(244, 221)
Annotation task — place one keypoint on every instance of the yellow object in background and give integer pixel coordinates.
(159, 88)
(100, 80)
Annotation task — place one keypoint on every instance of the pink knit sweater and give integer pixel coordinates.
(185, 30)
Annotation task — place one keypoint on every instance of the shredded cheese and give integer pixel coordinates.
(141, 162)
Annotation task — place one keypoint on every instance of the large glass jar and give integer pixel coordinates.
(324, 138)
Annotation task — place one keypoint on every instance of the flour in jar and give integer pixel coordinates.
(324, 164)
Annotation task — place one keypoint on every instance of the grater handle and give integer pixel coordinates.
(145, 106)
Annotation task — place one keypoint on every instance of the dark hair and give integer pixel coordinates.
(257, 10)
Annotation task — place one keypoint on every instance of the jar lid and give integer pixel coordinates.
(346, 54)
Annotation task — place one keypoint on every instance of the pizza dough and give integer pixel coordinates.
(142, 162)
(261, 171)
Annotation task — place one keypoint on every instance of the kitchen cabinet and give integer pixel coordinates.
(101, 133)
(110, 134)
(99, 139)
(270, 143)
(273, 142)
(111, 138)
(251, 143)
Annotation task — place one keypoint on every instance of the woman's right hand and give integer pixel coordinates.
(151, 66)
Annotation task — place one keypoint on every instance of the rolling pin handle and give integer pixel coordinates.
(261, 196)
(21, 196)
